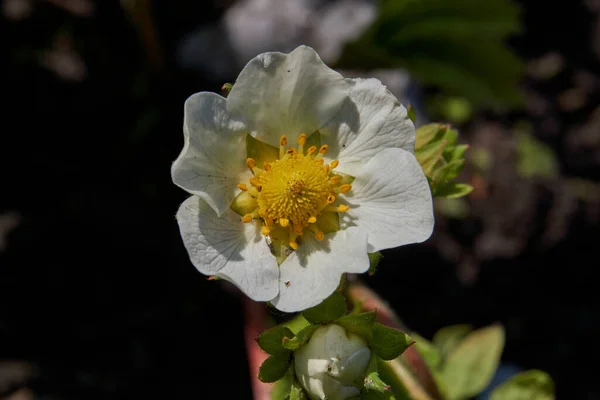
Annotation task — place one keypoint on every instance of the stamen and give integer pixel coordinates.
(312, 220)
(301, 143)
(284, 222)
(242, 186)
(345, 188)
(250, 163)
(293, 245)
(311, 150)
(282, 144)
(267, 166)
(265, 230)
(319, 235)
(334, 180)
(323, 149)
(330, 199)
(334, 163)
(343, 208)
(254, 181)
(262, 212)
(247, 218)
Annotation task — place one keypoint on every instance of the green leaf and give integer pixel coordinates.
(360, 324)
(452, 190)
(261, 152)
(447, 338)
(389, 343)
(328, 310)
(271, 340)
(374, 259)
(297, 393)
(301, 338)
(455, 153)
(274, 368)
(528, 385)
(469, 368)
(372, 379)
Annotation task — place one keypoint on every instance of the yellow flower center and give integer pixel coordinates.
(292, 192)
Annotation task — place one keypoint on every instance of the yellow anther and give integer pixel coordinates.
(312, 220)
(284, 222)
(319, 235)
(267, 166)
(326, 169)
(323, 149)
(250, 162)
(242, 186)
(334, 163)
(283, 140)
(254, 181)
(334, 180)
(343, 208)
(311, 150)
(293, 245)
(291, 150)
(269, 222)
(262, 212)
(302, 139)
(330, 199)
(319, 160)
(265, 230)
(345, 188)
(247, 218)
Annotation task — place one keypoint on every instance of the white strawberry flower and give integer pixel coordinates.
(295, 176)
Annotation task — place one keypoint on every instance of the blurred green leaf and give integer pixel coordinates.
(535, 159)
(453, 190)
(430, 353)
(271, 340)
(328, 310)
(528, 385)
(389, 343)
(274, 368)
(447, 338)
(469, 368)
(296, 392)
(456, 45)
(281, 389)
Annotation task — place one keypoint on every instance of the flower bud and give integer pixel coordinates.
(332, 364)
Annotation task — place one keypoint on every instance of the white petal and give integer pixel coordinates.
(311, 273)
(287, 94)
(383, 123)
(228, 248)
(213, 159)
(390, 200)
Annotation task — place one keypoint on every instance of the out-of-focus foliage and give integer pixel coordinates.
(528, 385)
(535, 159)
(458, 46)
(442, 159)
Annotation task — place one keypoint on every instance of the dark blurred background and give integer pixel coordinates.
(98, 299)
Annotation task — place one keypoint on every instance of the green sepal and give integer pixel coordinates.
(429, 133)
(301, 338)
(449, 171)
(328, 310)
(313, 140)
(374, 259)
(372, 380)
(274, 368)
(244, 204)
(359, 324)
(430, 154)
(296, 392)
(329, 222)
(529, 385)
(261, 152)
(455, 153)
(411, 113)
(225, 89)
(281, 389)
(389, 343)
(452, 190)
(271, 340)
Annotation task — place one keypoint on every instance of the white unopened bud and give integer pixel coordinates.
(332, 364)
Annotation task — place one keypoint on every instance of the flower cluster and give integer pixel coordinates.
(295, 177)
